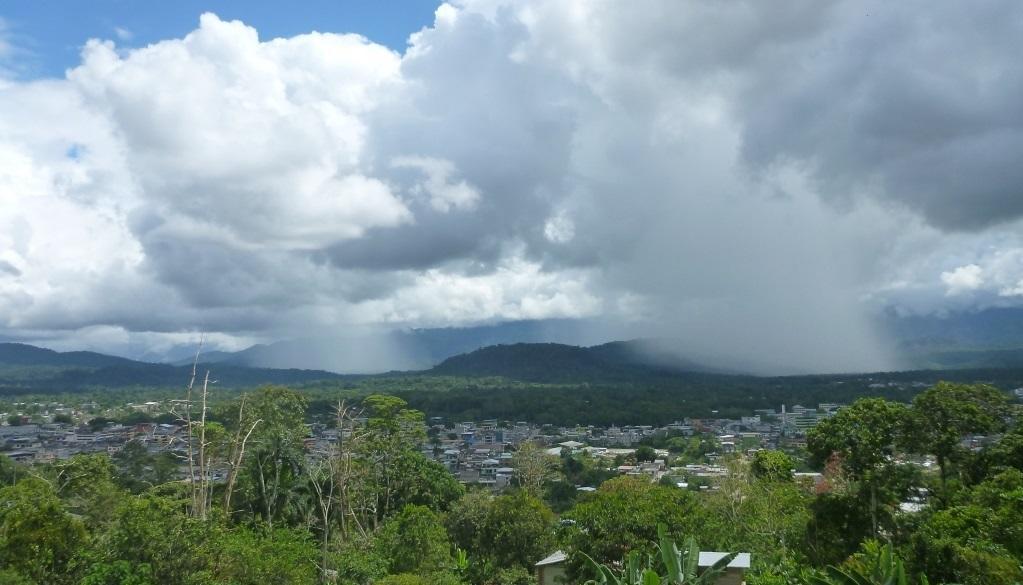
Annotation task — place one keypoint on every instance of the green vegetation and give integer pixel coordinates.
(540, 383)
(372, 508)
(670, 566)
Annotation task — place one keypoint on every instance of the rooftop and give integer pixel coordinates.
(708, 558)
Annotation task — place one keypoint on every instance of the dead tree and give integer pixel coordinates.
(335, 482)
(196, 444)
(237, 454)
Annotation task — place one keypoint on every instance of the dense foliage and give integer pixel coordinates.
(372, 508)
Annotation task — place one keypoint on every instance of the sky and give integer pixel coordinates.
(754, 179)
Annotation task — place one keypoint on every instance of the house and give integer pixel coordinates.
(551, 570)
(735, 571)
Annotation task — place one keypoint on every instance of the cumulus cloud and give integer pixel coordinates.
(755, 179)
(443, 193)
(962, 279)
(516, 290)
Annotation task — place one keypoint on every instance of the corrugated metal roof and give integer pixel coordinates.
(555, 558)
(708, 558)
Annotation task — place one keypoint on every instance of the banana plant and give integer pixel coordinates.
(678, 567)
(886, 568)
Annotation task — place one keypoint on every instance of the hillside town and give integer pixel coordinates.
(687, 453)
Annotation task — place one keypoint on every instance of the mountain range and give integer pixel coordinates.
(982, 339)
(28, 368)
(523, 350)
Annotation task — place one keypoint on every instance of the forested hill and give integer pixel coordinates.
(554, 362)
(21, 354)
(25, 368)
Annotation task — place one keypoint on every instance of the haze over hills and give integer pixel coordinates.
(26, 368)
(983, 339)
(546, 350)
(377, 351)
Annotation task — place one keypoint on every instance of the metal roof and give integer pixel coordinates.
(708, 558)
(555, 558)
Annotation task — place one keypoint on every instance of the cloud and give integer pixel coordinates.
(962, 279)
(912, 106)
(756, 179)
(443, 193)
(516, 290)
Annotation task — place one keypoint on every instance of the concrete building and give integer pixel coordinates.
(551, 570)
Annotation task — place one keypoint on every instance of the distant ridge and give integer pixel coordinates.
(554, 362)
(22, 354)
(26, 368)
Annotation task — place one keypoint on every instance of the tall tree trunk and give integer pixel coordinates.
(238, 452)
(873, 506)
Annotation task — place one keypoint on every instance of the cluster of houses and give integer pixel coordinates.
(477, 452)
(51, 441)
(481, 452)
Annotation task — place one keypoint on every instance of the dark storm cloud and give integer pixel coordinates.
(9, 269)
(914, 103)
(741, 175)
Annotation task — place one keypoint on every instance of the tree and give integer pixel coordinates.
(86, 484)
(518, 531)
(772, 465)
(623, 515)
(253, 557)
(243, 428)
(424, 482)
(158, 533)
(765, 515)
(118, 573)
(276, 485)
(414, 541)
(138, 470)
(64, 419)
(1006, 453)
(645, 453)
(978, 539)
(944, 413)
(38, 538)
(392, 431)
(199, 481)
(500, 534)
(10, 470)
(357, 561)
(466, 521)
(837, 527)
(533, 467)
(863, 436)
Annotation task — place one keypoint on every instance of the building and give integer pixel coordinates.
(735, 573)
(551, 570)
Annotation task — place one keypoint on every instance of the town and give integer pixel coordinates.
(688, 453)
